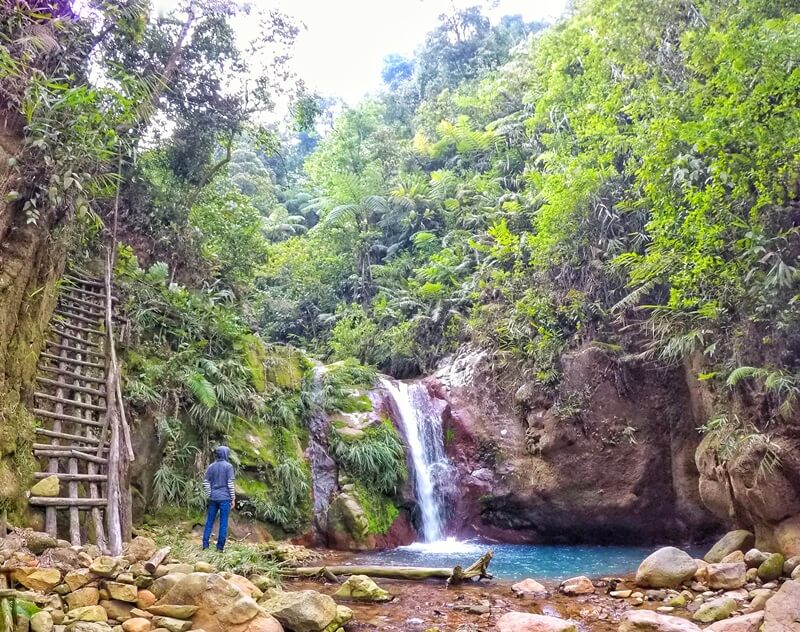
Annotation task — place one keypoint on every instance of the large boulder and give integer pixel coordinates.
(668, 567)
(524, 622)
(302, 610)
(362, 588)
(39, 579)
(745, 623)
(715, 610)
(649, 621)
(782, 612)
(222, 606)
(163, 585)
(739, 540)
(140, 549)
(771, 568)
(726, 576)
(87, 596)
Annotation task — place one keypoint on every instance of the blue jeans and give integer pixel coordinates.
(224, 509)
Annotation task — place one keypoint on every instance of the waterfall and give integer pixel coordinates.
(422, 425)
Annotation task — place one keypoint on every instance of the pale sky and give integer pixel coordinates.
(340, 52)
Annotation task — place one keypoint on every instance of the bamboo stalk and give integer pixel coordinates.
(112, 486)
(71, 503)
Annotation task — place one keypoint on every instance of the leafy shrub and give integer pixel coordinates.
(377, 460)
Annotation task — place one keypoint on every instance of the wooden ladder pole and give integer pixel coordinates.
(51, 514)
(113, 492)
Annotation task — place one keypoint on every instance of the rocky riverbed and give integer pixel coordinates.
(50, 586)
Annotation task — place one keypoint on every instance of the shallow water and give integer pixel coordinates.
(518, 561)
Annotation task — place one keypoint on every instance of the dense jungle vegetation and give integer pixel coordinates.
(627, 176)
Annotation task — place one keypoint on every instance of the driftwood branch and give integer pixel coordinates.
(158, 558)
(455, 575)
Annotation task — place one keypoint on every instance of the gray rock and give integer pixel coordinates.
(726, 576)
(649, 621)
(782, 612)
(755, 558)
(739, 540)
(668, 567)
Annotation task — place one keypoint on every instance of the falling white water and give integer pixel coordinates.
(422, 426)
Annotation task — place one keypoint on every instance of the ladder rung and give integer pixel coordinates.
(85, 280)
(77, 339)
(68, 325)
(78, 317)
(44, 354)
(77, 376)
(84, 291)
(70, 454)
(83, 302)
(66, 436)
(61, 417)
(78, 309)
(67, 449)
(69, 402)
(50, 344)
(45, 501)
(71, 477)
(70, 387)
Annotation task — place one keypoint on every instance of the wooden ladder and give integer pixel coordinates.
(73, 441)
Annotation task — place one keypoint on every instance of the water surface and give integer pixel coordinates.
(518, 561)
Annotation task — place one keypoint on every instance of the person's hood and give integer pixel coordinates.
(222, 453)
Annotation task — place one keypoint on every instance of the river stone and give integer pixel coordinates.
(649, 621)
(145, 599)
(739, 540)
(88, 596)
(140, 549)
(782, 612)
(771, 568)
(220, 603)
(42, 621)
(136, 624)
(743, 623)
(204, 567)
(175, 612)
(122, 592)
(49, 487)
(39, 579)
(715, 610)
(163, 585)
(796, 573)
(726, 576)
(791, 564)
(92, 614)
(301, 611)
(730, 558)
(119, 610)
(668, 567)
(171, 624)
(524, 622)
(362, 588)
(529, 588)
(105, 566)
(88, 626)
(755, 558)
(580, 585)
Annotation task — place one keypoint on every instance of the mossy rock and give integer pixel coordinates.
(348, 433)
(347, 516)
(285, 367)
(771, 568)
(253, 444)
(48, 487)
(251, 488)
(379, 509)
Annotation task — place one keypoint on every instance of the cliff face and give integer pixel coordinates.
(31, 260)
(610, 458)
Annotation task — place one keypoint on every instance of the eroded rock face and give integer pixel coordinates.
(533, 468)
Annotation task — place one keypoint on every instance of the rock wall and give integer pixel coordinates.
(608, 458)
(31, 260)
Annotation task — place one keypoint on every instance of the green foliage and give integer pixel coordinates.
(342, 387)
(730, 437)
(377, 460)
(380, 509)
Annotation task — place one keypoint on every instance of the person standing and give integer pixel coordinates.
(221, 494)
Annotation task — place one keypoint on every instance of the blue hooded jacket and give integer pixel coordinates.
(218, 483)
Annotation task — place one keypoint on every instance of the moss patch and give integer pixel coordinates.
(253, 443)
(285, 367)
(380, 510)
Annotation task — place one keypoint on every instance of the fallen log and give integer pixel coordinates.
(154, 562)
(455, 575)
